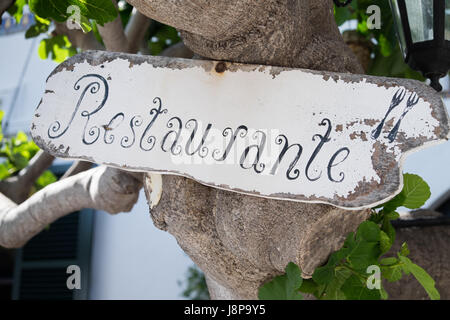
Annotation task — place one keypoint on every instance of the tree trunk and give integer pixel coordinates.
(240, 241)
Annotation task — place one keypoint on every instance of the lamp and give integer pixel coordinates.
(423, 30)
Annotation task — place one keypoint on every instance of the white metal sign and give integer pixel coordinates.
(267, 131)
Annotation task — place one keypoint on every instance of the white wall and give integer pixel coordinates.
(29, 79)
(132, 259)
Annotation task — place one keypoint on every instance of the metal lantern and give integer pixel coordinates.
(423, 29)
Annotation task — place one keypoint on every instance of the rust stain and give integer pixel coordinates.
(388, 125)
(360, 134)
(221, 67)
(352, 123)
(371, 122)
(363, 136)
(339, 128)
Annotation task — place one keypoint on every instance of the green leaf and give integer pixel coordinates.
(392, 215)
(366, 250)
(385, 242)
(284, 287)
(4, 172)
(336, 257)
(404, 250)
(416, 191)
(364, 255)
(20, 138)
(100, 10)
(368, 231)
(54, 9)
(414, 194)
(294, 277)
(333, 289)
(356, 289)
(362, 27)
(45, 179)
(342, 14)
(323, 275)
(422, 276)
(388, 261)
(350, 242)
(19, 161)
(384, 294)
(392, 273)
(309, 286)
(42, 20)
(164, 37)
(85, 24)
(43, 49)
(388, 229)
(58, 48)
(36, 30)
(385, 45)
(16, 10)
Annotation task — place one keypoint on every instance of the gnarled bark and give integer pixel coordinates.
(18, 187)
(241, 241)
(101, 188)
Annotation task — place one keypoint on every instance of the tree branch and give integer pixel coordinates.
(18, 188)
(77, 167)
(100, 188)
(113, 35)
(178, 50)
(116, 39)
(136, 30)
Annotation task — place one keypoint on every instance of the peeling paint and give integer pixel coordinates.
(293, 103)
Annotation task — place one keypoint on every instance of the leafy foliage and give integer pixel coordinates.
(346, 274)
(162, 37)
(101, 11)
(16, 152)
(284, 287)
(92, 13)
(58, 48)
(16, 10)
(41, 26)
(196, 288)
